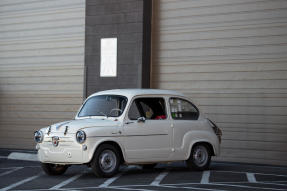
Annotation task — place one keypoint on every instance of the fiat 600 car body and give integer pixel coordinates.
(130, 126)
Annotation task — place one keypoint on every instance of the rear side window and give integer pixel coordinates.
(150, 108)
(182, 109)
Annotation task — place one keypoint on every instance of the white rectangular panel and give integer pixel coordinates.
(108, 57)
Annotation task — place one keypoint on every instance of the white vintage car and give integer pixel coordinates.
(130, 126)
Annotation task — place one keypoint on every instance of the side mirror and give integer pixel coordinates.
(141, 119)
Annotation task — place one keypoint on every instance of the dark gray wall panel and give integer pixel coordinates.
(129, 21)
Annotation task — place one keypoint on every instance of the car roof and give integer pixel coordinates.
(135, 92)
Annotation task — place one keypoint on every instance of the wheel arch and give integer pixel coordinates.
(109, 142)
(202, 142)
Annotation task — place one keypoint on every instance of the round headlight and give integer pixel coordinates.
(81, 136)
(38, 136)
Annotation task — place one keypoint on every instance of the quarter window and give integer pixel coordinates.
(150, 108)
(182, 109)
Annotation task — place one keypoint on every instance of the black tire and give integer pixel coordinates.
(54, 169)
(106, 161)
(199, 158)
(149, 166)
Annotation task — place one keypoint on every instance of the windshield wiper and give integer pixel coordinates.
(104, 114)
(91, 116)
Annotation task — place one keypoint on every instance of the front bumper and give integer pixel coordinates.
(68, 151)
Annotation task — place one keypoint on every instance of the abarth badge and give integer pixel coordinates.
(55, 141)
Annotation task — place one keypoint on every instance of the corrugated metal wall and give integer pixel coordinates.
(231, 57)
(41, 66)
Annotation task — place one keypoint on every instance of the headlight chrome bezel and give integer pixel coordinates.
(38, 136)
(81, 136)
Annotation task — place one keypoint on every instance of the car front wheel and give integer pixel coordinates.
(54, 169)
(199, 158)
(106, 161)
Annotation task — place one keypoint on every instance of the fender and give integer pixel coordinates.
(196, 136)
(94, 144)
(99, 135)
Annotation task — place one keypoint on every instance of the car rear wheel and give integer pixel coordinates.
(199, 158)
(106, 161)
(54, 169)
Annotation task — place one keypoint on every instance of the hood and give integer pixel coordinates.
(74, 125)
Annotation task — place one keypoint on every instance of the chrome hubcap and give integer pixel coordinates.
(107, 161)
(200, 155)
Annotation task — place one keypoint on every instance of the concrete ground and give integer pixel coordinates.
(28, 175)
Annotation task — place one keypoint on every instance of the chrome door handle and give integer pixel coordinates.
(118, 132)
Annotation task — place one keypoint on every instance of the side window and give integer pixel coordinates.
(182, 109)
(150, 108)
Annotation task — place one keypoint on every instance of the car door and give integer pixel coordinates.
(185, 119)
(147, 131)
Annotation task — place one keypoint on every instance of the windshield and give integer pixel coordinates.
(104, 105)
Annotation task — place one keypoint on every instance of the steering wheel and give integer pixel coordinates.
(115, 109)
